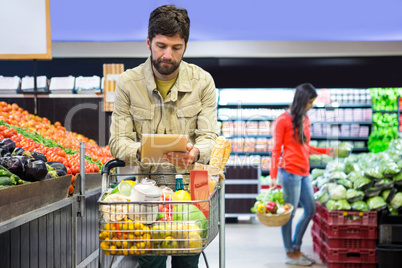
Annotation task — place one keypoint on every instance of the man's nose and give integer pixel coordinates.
(167, 55)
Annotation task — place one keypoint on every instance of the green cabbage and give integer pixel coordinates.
(353, 195)
(360, 206)
(374, 173)
(355, 175)
(389, 169)
(342, 205)
(344, 149)
(345, 182)
(376, 203)
(362, 183)
(337, 175)
(321, 196)
(337, 193)
(396, 201)
(331, 205)
(317, 172)
(384, 184)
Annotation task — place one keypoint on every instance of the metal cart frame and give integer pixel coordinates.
(219, 200)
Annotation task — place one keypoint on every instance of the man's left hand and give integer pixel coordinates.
(183, 160)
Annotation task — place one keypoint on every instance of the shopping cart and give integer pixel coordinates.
(157, 228)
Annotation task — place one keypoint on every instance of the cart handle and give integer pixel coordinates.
(112, 164)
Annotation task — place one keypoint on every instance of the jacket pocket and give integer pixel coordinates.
(142, 120)
(187, 118)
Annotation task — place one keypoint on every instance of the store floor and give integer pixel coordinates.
(253, 245)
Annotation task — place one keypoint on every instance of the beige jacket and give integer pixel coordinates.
(189, 108)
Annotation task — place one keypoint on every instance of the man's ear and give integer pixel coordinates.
(148, 43)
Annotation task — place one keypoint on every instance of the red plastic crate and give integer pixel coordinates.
(317, 245)
(350, 265)
(368, 218)
(316, 228)
(349, 231)
(348, 243)
(340, 255)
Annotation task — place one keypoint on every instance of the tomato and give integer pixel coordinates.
(71, 189)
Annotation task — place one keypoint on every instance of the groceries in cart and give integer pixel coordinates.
(147, 219)
(151, 220)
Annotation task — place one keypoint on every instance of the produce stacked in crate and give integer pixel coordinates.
(351, 191)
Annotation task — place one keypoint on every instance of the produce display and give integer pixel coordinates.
(368, 181)
(38, 136)
(18, 166)
(385, 122)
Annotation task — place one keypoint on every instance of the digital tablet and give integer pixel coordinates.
(153, 146)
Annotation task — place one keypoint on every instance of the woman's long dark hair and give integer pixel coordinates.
(303, 93)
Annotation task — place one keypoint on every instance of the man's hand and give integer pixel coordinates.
(183, 160)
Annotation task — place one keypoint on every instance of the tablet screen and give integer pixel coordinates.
(153, 146)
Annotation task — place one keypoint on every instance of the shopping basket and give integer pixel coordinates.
(136, 228)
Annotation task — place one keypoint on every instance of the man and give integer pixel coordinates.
(165, 95)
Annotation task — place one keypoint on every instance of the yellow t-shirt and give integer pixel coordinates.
(164, 86)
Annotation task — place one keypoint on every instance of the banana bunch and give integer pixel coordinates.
(220, 153)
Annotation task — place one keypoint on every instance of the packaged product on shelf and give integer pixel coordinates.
(348, 115)
(339, 115)
(9, 84)
(264, 128)
(252, 128)
(27, 84)
(354, 130)
(249, 145)
(261, 145)
(330, 116)
(265, 162)
(63, 85)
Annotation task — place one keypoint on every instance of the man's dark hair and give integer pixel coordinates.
(169, 20)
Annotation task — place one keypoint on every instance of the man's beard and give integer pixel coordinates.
(165, 69)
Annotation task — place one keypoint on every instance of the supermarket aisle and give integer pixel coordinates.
(255, 245)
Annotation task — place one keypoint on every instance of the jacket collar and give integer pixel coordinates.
(182, 83)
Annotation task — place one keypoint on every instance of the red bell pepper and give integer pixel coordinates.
(271, 207)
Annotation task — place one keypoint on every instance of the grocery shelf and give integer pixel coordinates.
(248, 136)
(256, 105)
(339, 138)
(344, 105)
(343, 122)
(386, 112)
(251, 153)
(246, 118)
(265, 172)
(317, 166)
(360, 150)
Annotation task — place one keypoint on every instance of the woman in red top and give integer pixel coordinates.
(291, 131)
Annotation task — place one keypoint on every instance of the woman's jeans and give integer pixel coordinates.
(296, 189)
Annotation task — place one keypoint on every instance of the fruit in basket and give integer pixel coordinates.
(189, 212)
(195, 242)
(114, 212)
(169, 243)
(182, 195)
(125, 188)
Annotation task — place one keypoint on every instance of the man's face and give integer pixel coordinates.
(166, 53)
